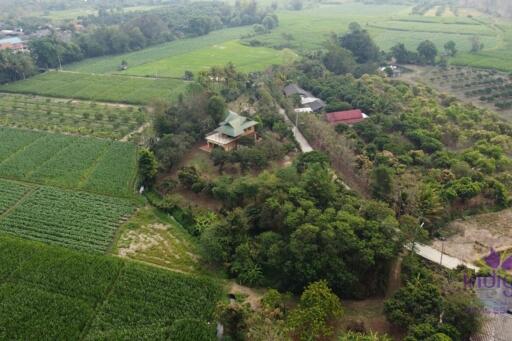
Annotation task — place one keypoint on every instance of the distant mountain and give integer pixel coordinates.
(496, 7)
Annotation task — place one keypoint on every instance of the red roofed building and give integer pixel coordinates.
(345, 117)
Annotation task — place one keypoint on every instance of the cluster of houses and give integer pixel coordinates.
(16, 39)
(309, 103)
(236, 126)
(13, 43)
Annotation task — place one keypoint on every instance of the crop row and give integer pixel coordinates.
(12, 140)
(114, 170)
(70, 117)
(73, 219)
(10, 194)
(46, 286)
(67, 167)
(97, 165)
(108, 88)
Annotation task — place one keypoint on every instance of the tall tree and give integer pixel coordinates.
(359, 42)
(318, 307)
(15, 66)
(415, 303)
(450, 48)
(339, 60)
(427, 52)
(216, 108)
(147, 166)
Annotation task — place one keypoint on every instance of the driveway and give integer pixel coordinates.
(305, 147)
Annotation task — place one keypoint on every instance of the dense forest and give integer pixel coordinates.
(432, 158)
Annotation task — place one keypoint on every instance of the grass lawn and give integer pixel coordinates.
(244, 57)
(110, 64)
(107, 88)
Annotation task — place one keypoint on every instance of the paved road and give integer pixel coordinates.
(442, 259)
(305, 147)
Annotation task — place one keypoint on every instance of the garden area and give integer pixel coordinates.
(73, 117)
(491, 88)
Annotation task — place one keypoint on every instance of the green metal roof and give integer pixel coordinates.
(234, 124)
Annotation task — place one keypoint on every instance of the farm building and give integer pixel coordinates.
(15, 44)
(307, 100)
(230, 131)
(348, 117)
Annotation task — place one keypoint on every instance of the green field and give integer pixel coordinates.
(108, 88)
(76, 220)
(100, 120)
(96, 165)
(497, 57)
(50, 293)
(245, 58)
(388, 25)
(110, 64)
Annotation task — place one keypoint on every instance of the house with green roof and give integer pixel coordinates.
(230, 131)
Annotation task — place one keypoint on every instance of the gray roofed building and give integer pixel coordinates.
(292, 89)
(316, 105)
(307, 99)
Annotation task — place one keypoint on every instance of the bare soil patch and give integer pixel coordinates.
(370, 313)
(148, 239)
(472, 237)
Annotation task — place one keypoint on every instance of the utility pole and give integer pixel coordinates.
(415, 235)
(442, 250)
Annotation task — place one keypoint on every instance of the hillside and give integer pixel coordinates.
(500, 7)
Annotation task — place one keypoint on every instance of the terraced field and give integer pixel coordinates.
(96, 165)
(92, 297)
(106, 88)
(388, 25)
(80, 118)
